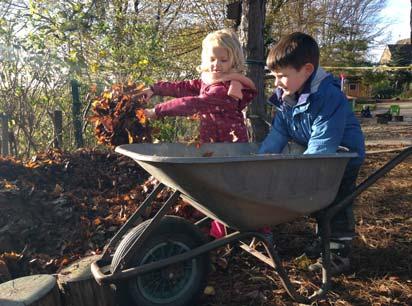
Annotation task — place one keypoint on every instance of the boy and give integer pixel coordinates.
(312, 111)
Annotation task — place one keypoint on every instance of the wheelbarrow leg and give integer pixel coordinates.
(325, 216)
(331, 211)
(274, 261)
(146, 232)
(129, 223)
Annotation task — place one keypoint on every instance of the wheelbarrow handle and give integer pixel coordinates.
(331, 211)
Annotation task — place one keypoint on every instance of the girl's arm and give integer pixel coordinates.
(187, 106)
(177, 89)
(248, 95)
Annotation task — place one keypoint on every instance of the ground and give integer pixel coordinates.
(58, 207)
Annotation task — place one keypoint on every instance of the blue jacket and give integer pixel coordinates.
(321, 120)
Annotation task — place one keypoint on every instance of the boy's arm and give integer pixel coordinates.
(328, 127)
(187, 106)
(177, 89)
(277, 138)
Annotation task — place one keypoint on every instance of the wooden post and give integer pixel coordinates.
(33, 290)
(76, 105)
(251, 36)
(58, 128)
(79, 288)
(4, 134)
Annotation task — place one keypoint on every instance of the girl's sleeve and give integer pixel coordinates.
(187, 106)
(277, 138)
(177, 89)
(248, 95)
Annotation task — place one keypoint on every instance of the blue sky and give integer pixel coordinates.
(396, 14)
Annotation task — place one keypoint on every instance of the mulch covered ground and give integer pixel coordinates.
(58, 207)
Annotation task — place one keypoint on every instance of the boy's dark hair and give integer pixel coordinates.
(296, 50)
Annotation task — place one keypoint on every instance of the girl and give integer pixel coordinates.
(218, 97)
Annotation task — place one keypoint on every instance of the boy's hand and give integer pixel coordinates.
(150, 113)
(146, 94)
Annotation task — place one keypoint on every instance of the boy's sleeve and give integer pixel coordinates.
(177, 89)
(187, 106)
(277, 138)
(328, 127)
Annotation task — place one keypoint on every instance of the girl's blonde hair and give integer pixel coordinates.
(226, 39)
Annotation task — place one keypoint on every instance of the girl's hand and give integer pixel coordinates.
(146, 94)
(150, 113)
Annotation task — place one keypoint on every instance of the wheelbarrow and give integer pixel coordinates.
(164, 260)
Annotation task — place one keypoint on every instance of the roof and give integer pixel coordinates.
(398, 55)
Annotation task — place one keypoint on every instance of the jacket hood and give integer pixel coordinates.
(311, 86)
(319, 76)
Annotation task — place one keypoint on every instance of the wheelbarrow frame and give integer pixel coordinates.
(272, 258)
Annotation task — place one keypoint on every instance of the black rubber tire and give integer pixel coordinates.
(174, 231)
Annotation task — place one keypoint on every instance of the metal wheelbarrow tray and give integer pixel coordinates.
(231, 183)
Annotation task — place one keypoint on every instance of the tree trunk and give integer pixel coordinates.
(251, 36)
(34, 290)
(79, 288)
(76, 105)
(4, 135)
(58, 128)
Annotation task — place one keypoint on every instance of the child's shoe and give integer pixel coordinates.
(339, 258)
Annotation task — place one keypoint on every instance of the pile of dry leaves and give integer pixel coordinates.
(118, 116)
(58, 207)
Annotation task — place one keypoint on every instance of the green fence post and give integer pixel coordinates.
(76, 105)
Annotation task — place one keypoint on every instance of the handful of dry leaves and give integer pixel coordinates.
(119, 117)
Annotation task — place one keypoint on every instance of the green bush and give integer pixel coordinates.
(407, 94)
(383, 90)
(175, 129)
(361, 101)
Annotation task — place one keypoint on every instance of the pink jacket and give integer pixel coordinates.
(221, 117)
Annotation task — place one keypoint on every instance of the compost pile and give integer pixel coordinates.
(58, 207)
(118, 116)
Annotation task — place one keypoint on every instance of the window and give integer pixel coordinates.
(352, 86)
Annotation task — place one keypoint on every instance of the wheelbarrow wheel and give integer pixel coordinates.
(178, 284)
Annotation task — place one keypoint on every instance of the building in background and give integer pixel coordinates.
(399, 54)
